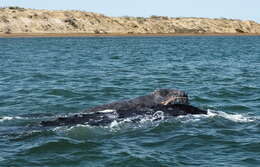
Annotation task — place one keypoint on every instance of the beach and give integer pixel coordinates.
(17, 35)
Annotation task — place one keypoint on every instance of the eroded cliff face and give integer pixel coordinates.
(19, 20)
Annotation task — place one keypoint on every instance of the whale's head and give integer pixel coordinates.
(170, 96)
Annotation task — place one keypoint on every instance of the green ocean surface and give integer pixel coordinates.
(43, 78)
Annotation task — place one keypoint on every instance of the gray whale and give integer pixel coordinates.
(171, 102)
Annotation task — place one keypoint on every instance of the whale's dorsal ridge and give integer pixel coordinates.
(170, 101)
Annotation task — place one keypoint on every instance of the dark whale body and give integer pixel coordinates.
(170, 102)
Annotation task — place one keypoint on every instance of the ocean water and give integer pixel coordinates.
(42, 78)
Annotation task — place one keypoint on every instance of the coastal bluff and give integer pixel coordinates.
(20, 20)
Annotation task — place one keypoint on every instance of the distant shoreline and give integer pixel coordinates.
(21, 22)
(23, 35)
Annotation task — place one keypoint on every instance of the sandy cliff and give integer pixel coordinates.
(19, 20)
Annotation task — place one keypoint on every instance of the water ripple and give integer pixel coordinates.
(42, 78)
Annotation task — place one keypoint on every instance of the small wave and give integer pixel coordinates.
(232, 117)
(213, 114)
(8, 118)
(41, 76)
(62, 92)
(82, 131)
(1, 159)
(106, 111)
(138, 121)
(27, 117)
(159, 115)
(55, 145)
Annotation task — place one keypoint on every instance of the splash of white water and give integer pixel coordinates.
(8, 118)
(242, 118)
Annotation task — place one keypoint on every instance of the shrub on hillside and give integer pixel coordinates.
(16, 8)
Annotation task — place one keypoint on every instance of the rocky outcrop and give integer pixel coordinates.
(20, 20)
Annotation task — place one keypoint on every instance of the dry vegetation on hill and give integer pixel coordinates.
(20, 20)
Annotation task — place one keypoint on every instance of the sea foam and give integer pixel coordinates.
(8, 118)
